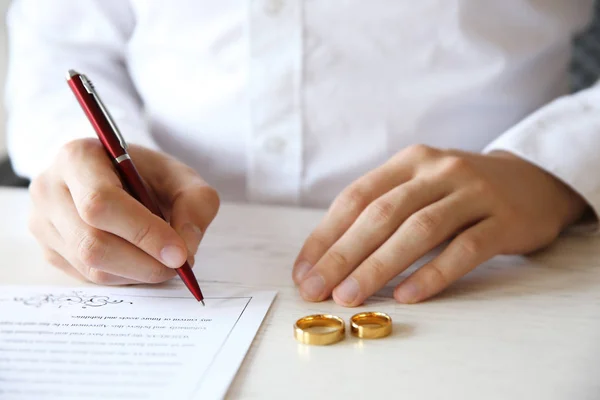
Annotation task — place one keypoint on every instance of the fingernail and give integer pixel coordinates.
(312, 287)
(347, 290)
(407, 293)
(301, 270)
(172, 256)
(192, 235)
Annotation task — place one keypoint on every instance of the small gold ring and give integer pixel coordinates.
(371, 325)
(303, 335)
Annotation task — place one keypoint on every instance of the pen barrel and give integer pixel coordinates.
(141, 192)
(137, 188)
(115, 146)
(97, 119)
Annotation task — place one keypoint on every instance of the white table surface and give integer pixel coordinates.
(516, 328)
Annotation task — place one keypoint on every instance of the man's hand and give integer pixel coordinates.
(88, 225)
(388, 219)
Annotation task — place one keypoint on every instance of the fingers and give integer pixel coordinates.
(371, 229)
(191, 202)
(469, 249)
(87, 222)
(343, 212)
(419, 234)
(193, 206)
(102, 204)
(101, 256)
(96, 276)
(54, 247)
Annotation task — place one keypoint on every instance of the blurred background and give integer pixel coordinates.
(585, 69)
(3, 7)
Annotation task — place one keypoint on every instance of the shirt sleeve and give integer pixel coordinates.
(45, 40)
(563, 138)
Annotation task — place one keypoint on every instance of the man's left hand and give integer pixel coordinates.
(484, 205)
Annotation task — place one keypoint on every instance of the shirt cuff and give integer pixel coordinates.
(563, 138)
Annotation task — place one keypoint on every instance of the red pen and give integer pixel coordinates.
(116, 147)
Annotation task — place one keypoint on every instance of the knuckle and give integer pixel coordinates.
(437, 277)
(142, 235)
(316, 244)
(337, 257)
(77, 151)
(381, 212)
(470, 247)
(69, 150)
(423, 224)
(93, 206)
(420, 151)
(482, 188)
(407, 194)
(354, 198)
(212, 199)
(453, 165)
(199, 192)
(77, 147)
(377, 270)
(91, 250)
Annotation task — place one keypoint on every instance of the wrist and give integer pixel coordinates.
(570, 207)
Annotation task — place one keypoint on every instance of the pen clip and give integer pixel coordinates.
(87, 84)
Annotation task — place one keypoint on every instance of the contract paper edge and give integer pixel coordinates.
(237, 347)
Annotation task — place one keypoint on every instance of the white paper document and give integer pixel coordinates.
(124, 343)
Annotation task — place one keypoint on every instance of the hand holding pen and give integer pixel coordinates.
(86, 216)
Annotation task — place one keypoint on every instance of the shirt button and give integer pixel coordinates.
(275, 145)
(273, 7)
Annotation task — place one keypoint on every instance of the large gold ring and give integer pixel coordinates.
(370, 325)
(304, 325)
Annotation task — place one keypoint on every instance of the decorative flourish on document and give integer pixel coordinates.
(71, 299)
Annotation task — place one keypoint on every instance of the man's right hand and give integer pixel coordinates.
(89, 225)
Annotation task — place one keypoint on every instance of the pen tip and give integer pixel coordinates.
(202, 301)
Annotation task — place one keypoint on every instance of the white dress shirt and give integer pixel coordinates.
(289, 101)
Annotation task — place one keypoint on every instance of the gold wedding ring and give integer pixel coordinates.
(370, 325)
(319, 329)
